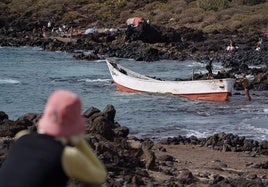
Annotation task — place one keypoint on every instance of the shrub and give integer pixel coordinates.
(191, 15)
(247, 2)
(124, 15)
(130, 6)
(91, 8)
(214, 27)
(213, 4)
(70, 16)
(116, 3)
(255, 20)
(105, 14)
(234, 25)
(162, 17)
(20, 5)
(226, 13)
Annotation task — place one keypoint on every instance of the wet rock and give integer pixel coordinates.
(217, 179)
(166, 158)
(28, 120)
(109, 113)
(264, 144)
(222, 142)
(91, 114)
(10, 129)
(186, 177)
(133, 144)
(149, 157)
(121, 131)
(102, 126)
(262, 165)
(245, 182)
(3, 116)
(264, 147)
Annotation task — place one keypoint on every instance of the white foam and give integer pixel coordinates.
(261, 133)
(9, 81)
(95, 80)
(257, 67)
(256, 129)
(195, 133)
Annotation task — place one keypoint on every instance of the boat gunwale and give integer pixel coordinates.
(132, 74)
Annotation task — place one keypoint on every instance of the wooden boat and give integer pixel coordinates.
(207, 90)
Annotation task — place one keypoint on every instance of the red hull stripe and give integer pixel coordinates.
(219, 96)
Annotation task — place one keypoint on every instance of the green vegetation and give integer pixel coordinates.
(213, 5)
(207, 15)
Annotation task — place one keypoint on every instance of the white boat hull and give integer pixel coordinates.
(209, 90)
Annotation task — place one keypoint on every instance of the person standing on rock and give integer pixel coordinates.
(245, 83)
(209, 67)
(57, 152)
(44, 32)
(49, 25)
(259, 44)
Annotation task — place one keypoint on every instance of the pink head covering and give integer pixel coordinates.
(62, 115)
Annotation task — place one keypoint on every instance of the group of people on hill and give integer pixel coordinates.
(63, 30)
(259, 44)
(232, 47)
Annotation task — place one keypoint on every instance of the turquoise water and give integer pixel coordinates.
(29, 75)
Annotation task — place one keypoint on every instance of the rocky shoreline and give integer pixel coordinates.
(219, 160)
(153, 43)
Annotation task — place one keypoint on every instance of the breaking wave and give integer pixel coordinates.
(95, 80)
(9, 81)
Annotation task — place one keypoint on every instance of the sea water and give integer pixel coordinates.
(28, 75)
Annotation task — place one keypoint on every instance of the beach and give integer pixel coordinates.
(207, 164)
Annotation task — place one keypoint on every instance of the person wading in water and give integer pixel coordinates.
(245, 83)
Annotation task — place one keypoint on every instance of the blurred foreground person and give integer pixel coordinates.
(56, 152)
